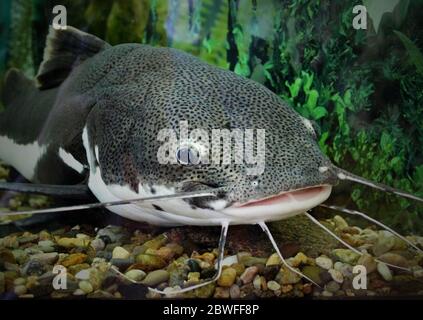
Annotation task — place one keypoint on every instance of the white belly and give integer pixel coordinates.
(22, 157)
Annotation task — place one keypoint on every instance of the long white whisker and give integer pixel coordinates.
(221, 250)
(272, 240)
(222, 242)
(380, 224)
(333, 234)
(346, 243)
(345, 175)
(182, 195)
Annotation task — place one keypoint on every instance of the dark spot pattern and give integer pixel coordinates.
(136, 90)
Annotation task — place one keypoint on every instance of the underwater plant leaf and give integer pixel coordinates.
(308, 81)
(319, 113)
(414, 53)
(294, 89)
(312, 98)
(377, 8)
(386, 143)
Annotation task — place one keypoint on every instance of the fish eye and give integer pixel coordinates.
(254, 183)
(188, 156)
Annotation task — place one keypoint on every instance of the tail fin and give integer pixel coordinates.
(14, 84)
(345, 175)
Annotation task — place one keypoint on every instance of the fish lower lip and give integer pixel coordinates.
(298, 195)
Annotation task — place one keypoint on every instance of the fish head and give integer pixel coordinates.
(219, 131)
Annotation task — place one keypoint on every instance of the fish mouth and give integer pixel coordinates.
(282, 205)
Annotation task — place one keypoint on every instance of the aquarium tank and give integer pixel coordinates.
(205, 149)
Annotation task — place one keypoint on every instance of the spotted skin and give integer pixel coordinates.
(126, 93)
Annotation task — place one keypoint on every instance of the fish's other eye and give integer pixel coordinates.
(188, 156)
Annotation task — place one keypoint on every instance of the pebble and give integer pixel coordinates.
(156, 277)
(73, 242)
(287, 288)
(135, 274)
(19, 281)
(383, 244)
(345, 268)
(368, 262)
(193, 277)
(83, 274)
(340, 222)
(287, 276)
(251, 261)
(249, 274)
(28, 238)
(46, 258)
(336, 275)
(257, 282)
(205, 291)
(78, 267)
(326, 293)
(20, 256)
(155, 243)
(46, 243)
(165, 253)
(19, 290)
(395, 259)
(193, 265)
(332, 286)
(300, 258)
(120, 253)
(273, 260)
(33, 267)
(384, 271)
(148, 262)
(346, 255)
(86, 286)
(240, 268)
(82, 236)
(221, 293)
(324, 262)
(98, 244)
(313, 272)
(273, 285)
(368, 235)
(74, 258)
(79, 292)
(234, 292)
(228, 261)
(227, 277)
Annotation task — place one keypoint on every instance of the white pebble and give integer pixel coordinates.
(78, 292)
(86, 286)
(327, 294)
(229, 261)
(324, 262)
(273, 285)
(20, 290)
(83, 274)
(384, 271)
(120, 253)
(336, 275)
(135, 274)
(257, 282)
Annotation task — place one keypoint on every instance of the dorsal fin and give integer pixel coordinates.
(64, 50)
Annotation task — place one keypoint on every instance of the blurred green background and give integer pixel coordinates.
(364, 88)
